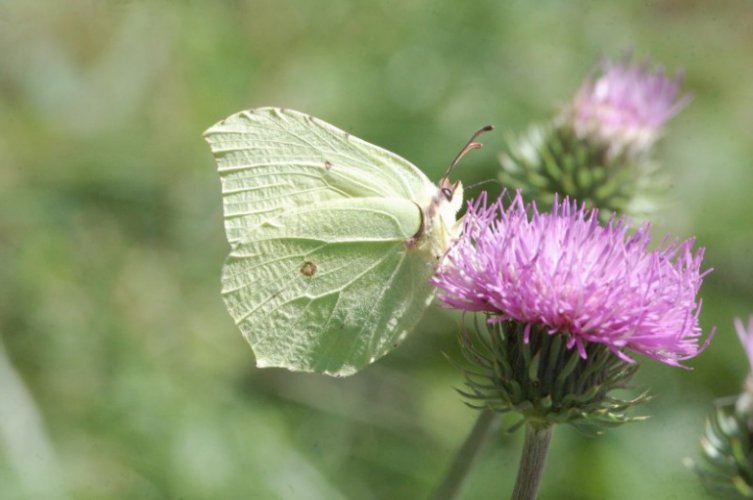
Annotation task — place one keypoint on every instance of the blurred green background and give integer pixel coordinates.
(122, 376)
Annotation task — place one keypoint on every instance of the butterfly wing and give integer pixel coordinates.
(328, 289)
(321, 276)
(271, 160)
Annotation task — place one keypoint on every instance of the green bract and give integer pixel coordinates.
(550, 159)
(544, 381)
(333, 240)
(726, 464)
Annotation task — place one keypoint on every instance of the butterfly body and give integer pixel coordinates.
(333, 240)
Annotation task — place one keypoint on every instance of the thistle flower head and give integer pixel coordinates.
(626, 106)
(566, 273)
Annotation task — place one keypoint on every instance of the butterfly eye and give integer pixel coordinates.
(447, 192)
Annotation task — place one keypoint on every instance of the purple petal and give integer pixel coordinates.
(565, 272)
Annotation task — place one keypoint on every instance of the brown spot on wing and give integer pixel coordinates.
(308, 269)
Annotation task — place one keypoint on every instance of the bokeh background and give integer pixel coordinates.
(122, 376)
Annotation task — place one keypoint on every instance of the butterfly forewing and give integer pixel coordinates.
(271, 160)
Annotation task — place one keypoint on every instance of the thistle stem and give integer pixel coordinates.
(461, 464)
(532, 462)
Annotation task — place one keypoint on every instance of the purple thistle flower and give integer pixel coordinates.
(565, 273)
(746, 337)
(627, 106)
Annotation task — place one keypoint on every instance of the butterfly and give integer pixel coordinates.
(333, 240)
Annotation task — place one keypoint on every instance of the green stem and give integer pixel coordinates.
(458, 470)
(532, 462)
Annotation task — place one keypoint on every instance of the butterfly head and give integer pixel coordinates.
(439, 224)
(449, 198)
(449, 225)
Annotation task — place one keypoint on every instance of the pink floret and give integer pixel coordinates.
(566, 273)
(626, 106)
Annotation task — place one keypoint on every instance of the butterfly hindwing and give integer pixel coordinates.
(329, 288)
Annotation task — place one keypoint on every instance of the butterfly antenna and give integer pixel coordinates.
(481, 183)
(469, 146)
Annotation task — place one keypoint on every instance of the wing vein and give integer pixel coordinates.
(285, 285)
